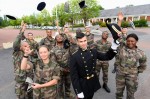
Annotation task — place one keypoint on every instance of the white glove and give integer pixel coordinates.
(114, 45)
(80, 95)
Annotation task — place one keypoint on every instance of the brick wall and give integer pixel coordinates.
(148, 18)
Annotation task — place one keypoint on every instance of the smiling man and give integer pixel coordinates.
(82, 67)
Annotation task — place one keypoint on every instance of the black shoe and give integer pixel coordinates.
(106, 88)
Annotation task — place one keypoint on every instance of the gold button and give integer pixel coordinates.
(88, 78)
(87, 74)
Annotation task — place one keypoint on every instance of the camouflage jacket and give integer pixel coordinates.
(131, 59)
(49, 42)
(33, 46)
(73, 46)
(46, 72)
(102, 47)
(20, 75)
(61, 56)
(90, 39)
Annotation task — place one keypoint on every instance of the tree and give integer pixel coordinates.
(92, 10)
(61, 15)
(75, 13)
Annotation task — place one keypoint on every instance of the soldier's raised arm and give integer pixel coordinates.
(16, 43)
(58, 28)
(120, 18)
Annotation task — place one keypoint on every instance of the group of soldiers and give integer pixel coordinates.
(61, 49)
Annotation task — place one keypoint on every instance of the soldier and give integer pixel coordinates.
(49, 41)
(68, 37)
(61, 56)
(34, 46)
(123, 40)
(131, 62)
(124, 31)
(82, 68)
(103, 46)
(47, 74)
(20, 76)
(90, 37)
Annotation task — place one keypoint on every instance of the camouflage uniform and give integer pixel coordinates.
(90, 40)
(49, 42)
(61, 56)
(128, 69)
(20, 75)
(122, 41)
(33, 46)
(43, 74)
(101, 47)
(73, 46)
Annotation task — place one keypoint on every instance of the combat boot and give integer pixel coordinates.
(106, 88)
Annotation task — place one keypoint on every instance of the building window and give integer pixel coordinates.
(135, 18)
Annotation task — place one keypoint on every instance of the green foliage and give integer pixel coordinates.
(103, 24)
(141, 23)
(125, 24)
(78, 25)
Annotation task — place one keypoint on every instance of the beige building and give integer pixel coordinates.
(130, 12)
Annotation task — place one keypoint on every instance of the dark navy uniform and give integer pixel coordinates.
(82, 70)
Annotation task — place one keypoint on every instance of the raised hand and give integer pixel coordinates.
(24, 27)
(120, 16)
(22, 23)
(27, 51)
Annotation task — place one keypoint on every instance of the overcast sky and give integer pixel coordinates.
(18, 8)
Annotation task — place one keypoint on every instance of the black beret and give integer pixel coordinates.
(66, 44)
(114, 29)
(11, 17)
(82, 4)
(41, 6)
(80, 35)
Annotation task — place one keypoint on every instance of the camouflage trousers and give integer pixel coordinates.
(130, 81)
(64, 86)
(21, 93)
(104, 66)
(45, 93)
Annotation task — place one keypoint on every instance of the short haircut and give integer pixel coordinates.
(80, 35)
(78, 30)
(104, 32)
(133, 35)
(44, 46)
(30, 33)
(48, 30)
